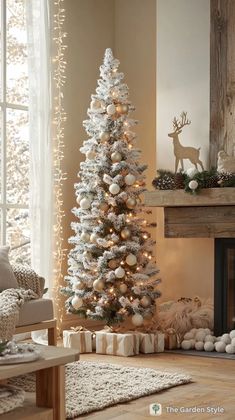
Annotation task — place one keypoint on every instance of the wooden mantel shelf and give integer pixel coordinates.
(208, 214)
(179, 198)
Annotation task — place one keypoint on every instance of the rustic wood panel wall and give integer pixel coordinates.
(222, 78)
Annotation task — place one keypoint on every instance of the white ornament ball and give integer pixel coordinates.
(233, 341)
(230, 349)
(130, 179)
(199, 346)
(200, 336)
(193, 342)
(186, 344)
(111, 109)
(188, 336)
(226, 338)
(104, 136)
(116, 157)
(85, 203)
(131, 203)
(119, 272)
(232, 334)
(85, 236)
(209, 346)
(131, 259)
(90, 155)
(98, 285)
(93, 238)
(114, 189)
(191, 172)
(209, 338)
(220, 346)
(145, 301)
(79, 285)
(123, 288)
(77, 302)
(193, 185)
(137, 320)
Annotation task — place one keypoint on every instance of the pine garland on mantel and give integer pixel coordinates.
(192, 181)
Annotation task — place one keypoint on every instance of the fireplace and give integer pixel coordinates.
(224, 290)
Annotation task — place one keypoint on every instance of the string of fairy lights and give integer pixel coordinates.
(59, 118)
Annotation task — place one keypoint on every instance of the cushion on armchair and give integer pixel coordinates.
(7, 278)
(27, 278)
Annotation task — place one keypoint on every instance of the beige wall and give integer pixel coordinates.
(183, 51)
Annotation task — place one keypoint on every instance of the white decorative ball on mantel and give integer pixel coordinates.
(129, 179)
(230, 349)
(137, 320)
(131, 259)
(199, 346)
(209, 346)
(193, 185)
(114, 189)
(123, 288)
(111, 109)
(119, 272)
(226, 338)
(85, 237)
(76, 302)
(186, 345)
(85, 203)
(220, 346)
(232, 334)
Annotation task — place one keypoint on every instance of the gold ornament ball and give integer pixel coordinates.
(114, 189)
(125, 108)
(93, 238)
(119, 108)
(79, 285)
(145, 301)
(113, 264)
(111, 109)
(104, 136)
(119, 273)
(131, 259)
(131, 203)
(77, 302)
(123, 288)
(104, 206)
(91, 155)
(125, 233)
(122, 108)
(85, 237)
(137, 320)
(116, 157)
(130, 179)
(98, 285)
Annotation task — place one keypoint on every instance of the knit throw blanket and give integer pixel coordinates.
(11, 301)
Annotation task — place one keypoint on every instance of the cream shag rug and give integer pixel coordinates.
(94, 386)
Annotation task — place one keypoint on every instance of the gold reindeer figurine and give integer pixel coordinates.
(182, 152)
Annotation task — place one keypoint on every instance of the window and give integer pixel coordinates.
(14, 146)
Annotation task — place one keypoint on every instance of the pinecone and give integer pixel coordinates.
(226, 179)
(164, 182)
(211, 182)
(179, 181)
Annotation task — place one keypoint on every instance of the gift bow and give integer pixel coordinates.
(79, 328)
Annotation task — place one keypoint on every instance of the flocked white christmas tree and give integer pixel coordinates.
(111, 272)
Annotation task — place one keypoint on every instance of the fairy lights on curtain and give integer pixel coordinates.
(59, 118)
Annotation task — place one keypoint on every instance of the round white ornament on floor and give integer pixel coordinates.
(220, 346)
(137, 320)
(232, 334)
(200, 336)
(114, 189)
(77, 302)
(199, 345)
(209, 338)
(226, 338)
(119, 272)
(233, 341)
(230, 349)
(209, 346)
(186, 345)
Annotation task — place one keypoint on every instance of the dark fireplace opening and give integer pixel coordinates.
(224, 285)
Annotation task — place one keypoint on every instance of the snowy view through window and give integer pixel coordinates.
(14, 151)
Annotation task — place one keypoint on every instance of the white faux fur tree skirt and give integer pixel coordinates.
(94, 386)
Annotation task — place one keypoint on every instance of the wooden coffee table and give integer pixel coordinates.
(50, 384)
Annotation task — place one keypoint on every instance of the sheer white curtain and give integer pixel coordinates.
(41, 177)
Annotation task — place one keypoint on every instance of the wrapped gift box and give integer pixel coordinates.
(126, 344)
(151, 342)
(172, 340)
(78, 339)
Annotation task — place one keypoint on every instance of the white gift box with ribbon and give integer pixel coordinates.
(79, 339)
(151, 342)
(117, 344)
